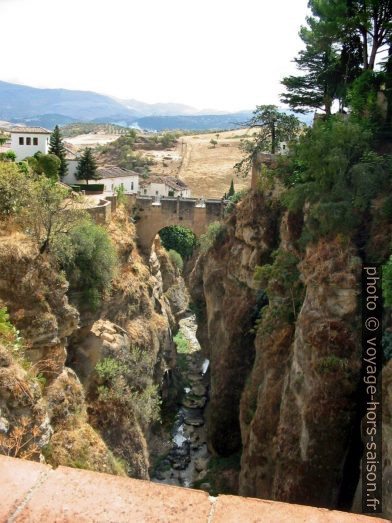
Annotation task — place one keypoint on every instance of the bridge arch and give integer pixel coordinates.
(194, 214)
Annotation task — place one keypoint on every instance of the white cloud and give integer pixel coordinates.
(223, 54)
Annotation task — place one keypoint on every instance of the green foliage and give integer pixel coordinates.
(9, 335)
(56, 147)
(274, 127)
(334, 169)
(181, 342)
(231, 192)
(332, 363)
(167, 140)
(14, 189)
(342, 39)
(234, 199)
(87, 167)
(178, 238)
(45, 164)
(176, 259)
(215, 235)
(213, 142)
(50, 214)
(89, 260)
(8, 156)
(108, 369)
(282, 278)
(120, 193)
(126, 383)
(121, 152)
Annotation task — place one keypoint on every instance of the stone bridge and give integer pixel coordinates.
(153, 215)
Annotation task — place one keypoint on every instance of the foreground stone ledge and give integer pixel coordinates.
(31, 492)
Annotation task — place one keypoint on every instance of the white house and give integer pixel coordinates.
(164, 186)
(26, 141)
(72, 163)
(110, 176)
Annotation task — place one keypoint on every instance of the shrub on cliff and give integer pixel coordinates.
(216, 233)
(125, 382)
(90, 261)
(176, 259)
(51, 212)
(336, 171)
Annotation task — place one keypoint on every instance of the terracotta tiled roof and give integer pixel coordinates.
(30, 130)
(170, 181)
(112, 171)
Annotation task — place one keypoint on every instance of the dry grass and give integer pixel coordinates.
(206, 169)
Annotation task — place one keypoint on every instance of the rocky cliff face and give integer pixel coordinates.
(223, 290)
(53, 382)
(287, 393)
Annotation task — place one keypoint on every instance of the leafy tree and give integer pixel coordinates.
(87, 167)
(56, 146)
(45, 164)
(274, 127)
(342, 39)
(178, 238)
(89, 260)
(51, 213)
(14, 189)
(213, 142)
(3, 139)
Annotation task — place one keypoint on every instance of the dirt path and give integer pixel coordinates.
(209, 169)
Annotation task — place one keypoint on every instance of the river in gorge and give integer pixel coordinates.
(187, 459)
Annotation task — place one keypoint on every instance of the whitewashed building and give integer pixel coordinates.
(158, 186)
(26, 141)
(110, 176)
(72, 163)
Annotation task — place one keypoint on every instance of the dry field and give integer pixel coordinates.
(206, 169)
(209, 170)
(91, 139)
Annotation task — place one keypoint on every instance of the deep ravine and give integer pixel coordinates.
(187, 460)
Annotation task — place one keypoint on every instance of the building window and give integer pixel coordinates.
(28, 140)
(156, 193)
(35, 141)
(145, 191)
(131, 186)
(21, 140)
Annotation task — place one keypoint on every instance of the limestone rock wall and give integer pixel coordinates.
(57, 392)
(287, 393)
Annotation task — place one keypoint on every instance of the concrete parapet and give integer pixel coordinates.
(36, 493)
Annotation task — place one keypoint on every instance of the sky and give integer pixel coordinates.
(210, 54)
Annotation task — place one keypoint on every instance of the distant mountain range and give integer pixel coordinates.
(48, 107)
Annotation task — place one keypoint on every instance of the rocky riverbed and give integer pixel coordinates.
(187, 460)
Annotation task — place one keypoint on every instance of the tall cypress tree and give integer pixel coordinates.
(87, 168)
(231, 190)
(56, 146)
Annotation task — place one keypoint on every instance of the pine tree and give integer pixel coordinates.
(56, 146)
(231, 190)
(87, 168)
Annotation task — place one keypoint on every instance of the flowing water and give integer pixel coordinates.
(188, 457)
